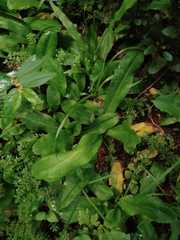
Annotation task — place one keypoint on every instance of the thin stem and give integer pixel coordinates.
(92, 204)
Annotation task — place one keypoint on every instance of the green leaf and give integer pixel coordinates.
(72, 188)
(159, 5)
(11, 106)
(7, 43)
(59, 80)
(103, 123)
(13, 25)
(156, 65)
(53, 97)
(47, 144)
(122, 80)
(40, 216)
(47, 44)
(113, 218)
(31, 65)
(125, 6)
(22, 4)
(35, 79)
(147, 230)
(33, 98)
(40, 121)
(106, 43)
(114, 235)
(51, 217)
(170, 32)
(43, 25)
(82, 237)
(169, 104)
(53, 167)
(148, 206)
(77, 111)
(71, 29)
(126, 135)
(102, 192)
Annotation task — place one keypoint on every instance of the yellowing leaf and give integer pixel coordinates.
(117, 178)
(153, 91)
(144, 128)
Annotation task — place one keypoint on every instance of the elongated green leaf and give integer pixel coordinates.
(35, 79)
(30, 65)
(53, 167)
(106, 43)
(125, 6)
(72, 31)
(7, 43)
(40, 121)
(53, 97)
(22, 4)
(159, 5)
(148, 206)
(14, 26)
(33, 98)
(169, 104)
(126, 135)
(122, 80)
(11, 105)
(47, 44)
(72, 188)
(103, 123)
(59, 80)
(44, 24)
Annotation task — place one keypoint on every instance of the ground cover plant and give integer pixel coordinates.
(89, 120)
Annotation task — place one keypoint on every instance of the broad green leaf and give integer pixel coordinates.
(77, 111)
(33, 98)
(53, 97)
(53, 167)
(47, 44)
(122, 80)
(72, 188)
(22, 4)
(126, 135)
(7, 43)
(11, 105)
(148, 206)
(14, 25)
(102, 192)
(113, 218)
(114, 235)
(103, 123)
(82, 237)
(71, 29)
(44, 24)
(147, 230)
(51, 217)
(169, 103)
(47, 144)
(35, 79)
(31, 65)
(40, 121)
(156, 176)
